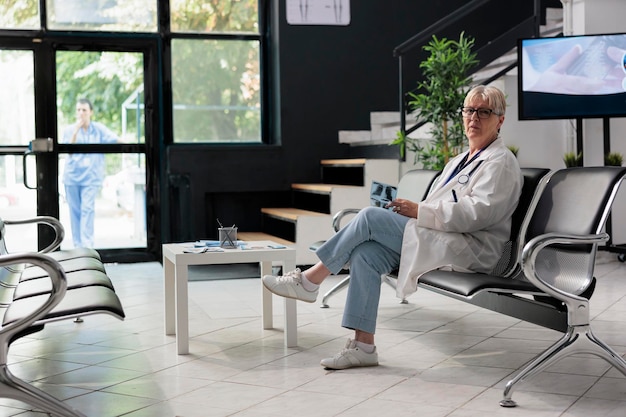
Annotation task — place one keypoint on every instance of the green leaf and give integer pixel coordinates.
(440, 96)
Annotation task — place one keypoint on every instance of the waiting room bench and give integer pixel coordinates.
(39, 288)
(545, 274)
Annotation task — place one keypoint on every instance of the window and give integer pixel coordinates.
(205, 16)
(216, 81)
(112, 81)
(19, 14)
(17, 101)
(17, 128)
(216, 91)
(216, 78)
(105, 15)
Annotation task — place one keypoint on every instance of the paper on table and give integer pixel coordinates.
(211, 243)
(201, 249)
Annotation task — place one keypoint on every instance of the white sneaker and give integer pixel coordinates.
(351, 356)
(290, 286)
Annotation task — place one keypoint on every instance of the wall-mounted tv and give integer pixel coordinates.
(572, 77)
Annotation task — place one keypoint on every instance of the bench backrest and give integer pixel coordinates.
(572, 201)
(509, 260)
(415, 184)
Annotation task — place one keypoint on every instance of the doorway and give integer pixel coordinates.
(44, 81)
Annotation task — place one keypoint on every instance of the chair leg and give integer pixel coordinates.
(551, 355)
(338, 287)
(392, 282)
(15, 388)
(577, 339)
(601, 349)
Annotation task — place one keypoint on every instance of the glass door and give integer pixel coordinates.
(91, 103)
(100, 108)
(84, 79)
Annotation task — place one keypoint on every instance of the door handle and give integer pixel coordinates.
(35, 147)
(40, 145)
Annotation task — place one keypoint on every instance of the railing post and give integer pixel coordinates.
(537, 11)
(402, 108)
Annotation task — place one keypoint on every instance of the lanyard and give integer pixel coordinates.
(464, 162)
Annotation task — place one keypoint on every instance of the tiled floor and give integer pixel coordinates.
(439, 357)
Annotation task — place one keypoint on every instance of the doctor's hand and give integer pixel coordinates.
(404, 207)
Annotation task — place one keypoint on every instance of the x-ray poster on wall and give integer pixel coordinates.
(318, 12)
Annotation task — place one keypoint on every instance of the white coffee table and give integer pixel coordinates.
(175, 273)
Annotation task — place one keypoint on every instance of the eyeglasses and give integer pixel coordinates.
(468, 112)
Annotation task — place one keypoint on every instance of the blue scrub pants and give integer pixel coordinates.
(371, 244)
(82, 203)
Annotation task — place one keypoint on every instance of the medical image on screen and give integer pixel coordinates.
(572, 76)
(575, 65)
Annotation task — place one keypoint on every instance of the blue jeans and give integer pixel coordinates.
(371, 244)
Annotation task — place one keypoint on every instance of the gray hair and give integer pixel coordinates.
(494, 96)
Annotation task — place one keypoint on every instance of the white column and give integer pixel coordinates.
(597, 17)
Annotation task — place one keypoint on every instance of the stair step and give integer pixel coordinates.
(256, 236)
(355, 137)
(345, 184)
(355, 162)
(343, 171)
(288, 213)
(318, 188)
(385, 118)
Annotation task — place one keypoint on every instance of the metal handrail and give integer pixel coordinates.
(425, 35)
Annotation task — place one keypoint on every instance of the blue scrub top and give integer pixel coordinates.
(87, 168)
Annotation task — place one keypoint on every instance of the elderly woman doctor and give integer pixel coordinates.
(462, 224)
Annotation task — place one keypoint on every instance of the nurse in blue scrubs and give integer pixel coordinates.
(84, 173)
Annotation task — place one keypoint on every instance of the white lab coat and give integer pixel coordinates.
(468, 234)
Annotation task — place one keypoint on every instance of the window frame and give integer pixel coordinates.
(261, 37)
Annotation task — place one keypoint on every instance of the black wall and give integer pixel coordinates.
(322, 79)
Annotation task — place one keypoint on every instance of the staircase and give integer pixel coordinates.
(345, 184)
(384, 125)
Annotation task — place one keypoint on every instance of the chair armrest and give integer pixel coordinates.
(529, 258)
(338, 217)
(59, 287)
(55, 224)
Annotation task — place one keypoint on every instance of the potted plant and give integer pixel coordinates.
(613, 159)
(572, 159)
(439, 100)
